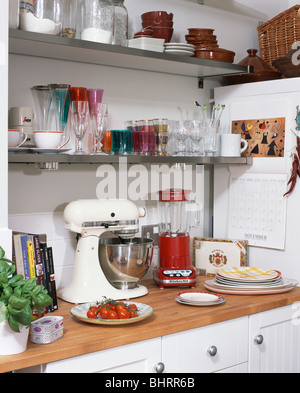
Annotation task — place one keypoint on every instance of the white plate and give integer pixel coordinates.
(180, 52)
(196, 298)
(179, 45)
(48, 151)
(220, 300)
(143, 310)
(284, 283)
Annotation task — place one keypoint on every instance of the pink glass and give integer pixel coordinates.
(95, 96)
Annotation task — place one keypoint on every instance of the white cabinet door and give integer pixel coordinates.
(275, 340)
(207, 349)
(141, 357)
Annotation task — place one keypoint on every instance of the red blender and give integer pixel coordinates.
(175, 267)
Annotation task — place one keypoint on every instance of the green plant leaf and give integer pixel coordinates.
(3, 312)
(2, 253)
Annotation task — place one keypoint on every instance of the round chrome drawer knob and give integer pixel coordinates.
(159, 368)
(259, 339)
(212, 351)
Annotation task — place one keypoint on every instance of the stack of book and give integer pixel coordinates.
(33, 258)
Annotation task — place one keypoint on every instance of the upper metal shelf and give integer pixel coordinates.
(33, 158)
(55, 47)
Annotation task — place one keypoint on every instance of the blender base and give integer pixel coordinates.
(175, 278)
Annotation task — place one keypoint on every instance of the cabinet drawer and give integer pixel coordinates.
(207, 349)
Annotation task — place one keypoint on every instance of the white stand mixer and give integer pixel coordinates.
(91, 218)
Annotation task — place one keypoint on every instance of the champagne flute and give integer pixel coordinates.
(80, 121)
(98, 114)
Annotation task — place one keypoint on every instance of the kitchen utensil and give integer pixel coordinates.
(91, 219)
(200, 299)
(50, 139)
(197, 136)
(121, 142)
(125, 263)
(98, 115)
(217, 54)
(232, 145)
(157, 15)
(80, 121)
(181, 132)
(143, 310)
(174, 222)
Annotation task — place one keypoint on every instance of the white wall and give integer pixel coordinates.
(36, 199)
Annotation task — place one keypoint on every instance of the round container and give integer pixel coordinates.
(97, 20)
(157, 15)
(125, 262)
(41, 16)
(69, 19)
(120, 36)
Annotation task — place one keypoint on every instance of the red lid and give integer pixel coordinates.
(174, 195)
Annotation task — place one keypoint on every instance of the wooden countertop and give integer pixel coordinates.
(168, 317)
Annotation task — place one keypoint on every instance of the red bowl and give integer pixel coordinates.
(157, 15)
(158, 23)
(163, 32)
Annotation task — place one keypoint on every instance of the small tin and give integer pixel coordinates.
(47, 329)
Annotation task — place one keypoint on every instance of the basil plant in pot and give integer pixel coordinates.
(18, 298)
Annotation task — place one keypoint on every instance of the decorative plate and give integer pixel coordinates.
(249, 273)
(194, 298)
(143, 310)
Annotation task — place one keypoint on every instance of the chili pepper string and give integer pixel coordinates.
(295, 169)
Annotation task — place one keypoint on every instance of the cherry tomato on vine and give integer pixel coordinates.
(91, 314)
(112, 315)
(123, 313)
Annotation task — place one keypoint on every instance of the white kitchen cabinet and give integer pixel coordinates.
(274, 345)
(207, 349)
(140, 357)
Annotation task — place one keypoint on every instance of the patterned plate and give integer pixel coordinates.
(249, 273)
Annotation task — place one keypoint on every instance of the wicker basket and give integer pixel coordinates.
(278, 34)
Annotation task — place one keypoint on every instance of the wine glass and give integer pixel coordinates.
(98, 115)
(197, 136)
(60, 94)
(181, 133)
(80, 121)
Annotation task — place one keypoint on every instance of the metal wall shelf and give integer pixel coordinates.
(55, 47)
(32, 158)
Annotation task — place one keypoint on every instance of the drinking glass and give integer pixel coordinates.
(95, 96)
(80, 121)
(78, 94)
(197, 136)
(98, 115)
(61, 99)
(42, 101)
(210, 138)
(181, 133)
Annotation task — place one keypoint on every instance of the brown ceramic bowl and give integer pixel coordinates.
(198, 37)
(216, 54)
(194, 31)
(163, 32)
(157, 15)
(206, 46)
(158, 23)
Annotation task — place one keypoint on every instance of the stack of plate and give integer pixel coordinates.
(179, 49)
(195, 298)
(250, 280)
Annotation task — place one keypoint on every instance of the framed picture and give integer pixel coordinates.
(210, 255)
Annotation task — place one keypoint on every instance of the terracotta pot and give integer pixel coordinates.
(286, 66)
(217, 54)
(157, 15)
(200, 31)
(199, 37)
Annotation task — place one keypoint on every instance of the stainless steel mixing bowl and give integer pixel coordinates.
(125, 261)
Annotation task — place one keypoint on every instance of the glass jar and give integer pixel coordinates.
(69, 18)
(97, 20)
(120, 36)
(14, 14)
(41, 16)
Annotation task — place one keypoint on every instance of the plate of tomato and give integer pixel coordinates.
(111, 312)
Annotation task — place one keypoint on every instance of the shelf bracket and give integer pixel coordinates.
(200, 83)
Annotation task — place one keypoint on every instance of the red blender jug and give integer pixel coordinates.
(174, 214)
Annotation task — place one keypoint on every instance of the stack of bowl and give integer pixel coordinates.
(206, 45)
(161, 24)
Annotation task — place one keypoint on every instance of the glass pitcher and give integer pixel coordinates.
(176, 209)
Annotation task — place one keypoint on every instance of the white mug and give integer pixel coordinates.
(50, 139)
(14, 137)
(232, 145)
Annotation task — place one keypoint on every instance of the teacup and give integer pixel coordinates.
(50, 139)
(14, 137)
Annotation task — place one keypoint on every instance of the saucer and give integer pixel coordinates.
(48, 151)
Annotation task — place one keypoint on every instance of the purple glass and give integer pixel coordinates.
(95, 96)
